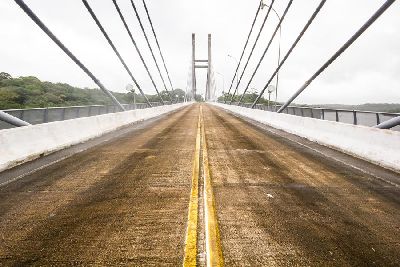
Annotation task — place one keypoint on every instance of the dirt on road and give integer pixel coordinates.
(282, 204)
(277, 202)
(121, 203)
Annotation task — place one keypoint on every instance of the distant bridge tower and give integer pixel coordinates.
(205, 64)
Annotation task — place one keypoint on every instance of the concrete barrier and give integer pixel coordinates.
(18, 145)
(378, 146)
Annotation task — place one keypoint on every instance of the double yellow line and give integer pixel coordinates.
(212, 236)
(191, 232)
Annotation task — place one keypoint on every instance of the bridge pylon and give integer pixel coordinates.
(202, 64)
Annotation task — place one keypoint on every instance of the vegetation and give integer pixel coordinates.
(30, 92)
(378, 107)
(247, 98)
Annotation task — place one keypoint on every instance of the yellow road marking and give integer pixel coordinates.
(213, 243)
(191, 233)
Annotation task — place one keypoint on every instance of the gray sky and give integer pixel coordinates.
(368, 72)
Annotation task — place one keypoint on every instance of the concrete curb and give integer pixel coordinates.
(381, 147)
(22, 144)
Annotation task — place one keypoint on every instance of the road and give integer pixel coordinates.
(260, 198)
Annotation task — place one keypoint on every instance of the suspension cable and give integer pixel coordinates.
(46, 30)
(266, 49)
(254, 45)
(114, 48)
(158, 44)
(245, 46)
(313, 16)
(137, 49)
(367, 24)
(149, 46)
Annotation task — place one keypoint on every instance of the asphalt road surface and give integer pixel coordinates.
(276, 201)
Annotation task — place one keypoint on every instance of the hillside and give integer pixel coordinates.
(30, 92)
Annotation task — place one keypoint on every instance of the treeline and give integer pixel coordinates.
(30, 92)
(247, 98)
(378, 107)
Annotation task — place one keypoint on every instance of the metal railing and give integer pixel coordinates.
(44, 115)
(356, 117)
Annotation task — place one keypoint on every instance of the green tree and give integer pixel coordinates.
(5, 76)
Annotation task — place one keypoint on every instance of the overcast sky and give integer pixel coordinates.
(368, 72)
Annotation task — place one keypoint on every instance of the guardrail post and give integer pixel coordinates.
(337, 115)
(354, 117)
(323, 114)
(46, 115)
(63, 114)
(312, 113)
(378, 119)
(77, 112)
(302, 112)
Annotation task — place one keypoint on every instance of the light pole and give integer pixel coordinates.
(223, 81)
(279, 51)
(237, 80)
(131, 89)
(271, 89)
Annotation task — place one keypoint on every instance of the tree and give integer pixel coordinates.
(30, 92)
(199, 98)
(5, 76)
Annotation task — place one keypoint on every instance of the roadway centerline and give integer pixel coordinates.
(214, 256)
(190, 258)
(213, 243)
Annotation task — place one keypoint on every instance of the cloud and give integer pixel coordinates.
(373, 61)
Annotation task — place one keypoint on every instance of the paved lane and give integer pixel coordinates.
(260, 200)
(280, 204)
(121, 203)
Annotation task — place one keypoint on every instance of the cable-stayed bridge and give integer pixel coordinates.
(207, 180)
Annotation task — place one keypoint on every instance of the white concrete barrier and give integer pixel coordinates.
(18, 145)
(381, 147)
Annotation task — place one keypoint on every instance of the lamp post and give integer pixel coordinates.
(131, 89)
(237, 80)
(223, 81)
(271, 89)
(279, 51)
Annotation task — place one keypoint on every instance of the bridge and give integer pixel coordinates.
(199, 183)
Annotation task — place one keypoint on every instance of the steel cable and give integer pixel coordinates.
(44, 28)
(245, 46)
(137, 49)
(366, 25)
(254, 45)
(149, 46)
(89, 9)
(309, 22)
(158, 44)
(266, 49)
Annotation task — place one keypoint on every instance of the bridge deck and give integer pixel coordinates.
(278, 202)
